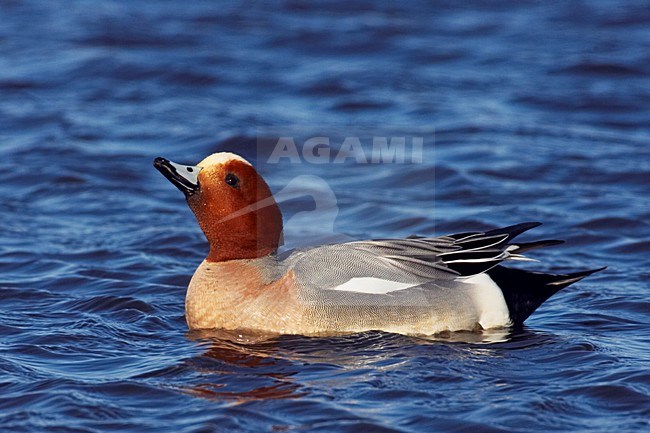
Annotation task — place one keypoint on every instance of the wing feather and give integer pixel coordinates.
(414, 260)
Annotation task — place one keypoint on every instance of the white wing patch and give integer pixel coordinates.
(372, 285)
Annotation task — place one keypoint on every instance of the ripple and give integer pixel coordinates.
(611, 222)
(109, 303)
(602, 69)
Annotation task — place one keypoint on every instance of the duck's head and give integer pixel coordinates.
(232, 203)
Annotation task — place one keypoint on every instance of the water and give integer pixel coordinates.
(539, 112)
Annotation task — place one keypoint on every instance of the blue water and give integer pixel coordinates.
(531, 111)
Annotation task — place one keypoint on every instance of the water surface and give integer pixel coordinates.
(537, 113)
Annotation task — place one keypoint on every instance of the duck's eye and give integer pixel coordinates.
(232, 180)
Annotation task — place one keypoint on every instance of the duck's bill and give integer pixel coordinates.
(184, 177)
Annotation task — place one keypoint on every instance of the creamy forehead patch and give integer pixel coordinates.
(221, 158)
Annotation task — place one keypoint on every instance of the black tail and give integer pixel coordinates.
(513, 231)
(522, 247)
(525, 291)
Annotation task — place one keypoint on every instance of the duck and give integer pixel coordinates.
(417, 285)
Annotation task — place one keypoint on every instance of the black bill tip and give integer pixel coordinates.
(183, 177)
(158, 162)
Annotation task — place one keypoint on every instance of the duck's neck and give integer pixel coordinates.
(239, 253)
(236, 277)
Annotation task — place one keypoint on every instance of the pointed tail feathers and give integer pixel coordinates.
(522, 247)
(524, 291)
(513, 231)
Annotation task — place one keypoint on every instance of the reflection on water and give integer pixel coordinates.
(233, 353)
(487, 336)
(269, 361)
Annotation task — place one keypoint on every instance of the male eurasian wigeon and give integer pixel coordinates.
(417, 285)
